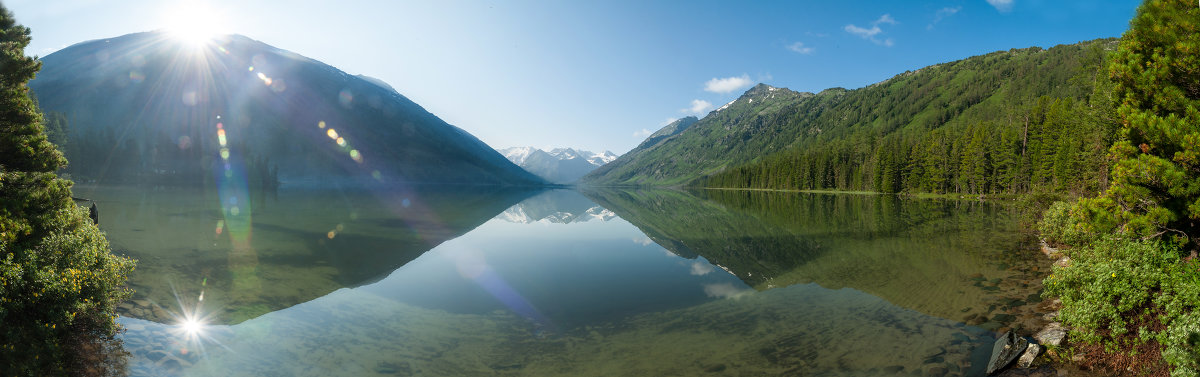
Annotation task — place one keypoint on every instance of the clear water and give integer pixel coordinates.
(465, 283)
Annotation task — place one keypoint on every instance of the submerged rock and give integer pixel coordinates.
(1005, 350)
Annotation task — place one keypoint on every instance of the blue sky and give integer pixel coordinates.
(600, 74)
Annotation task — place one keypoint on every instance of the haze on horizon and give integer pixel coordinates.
(597, 75)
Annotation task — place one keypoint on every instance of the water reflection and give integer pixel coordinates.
(306, 243)
(968, 258)
(722, 283)
(557, 206)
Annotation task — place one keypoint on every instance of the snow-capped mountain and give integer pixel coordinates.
(559, 165)
(517, 154)
(556, 206)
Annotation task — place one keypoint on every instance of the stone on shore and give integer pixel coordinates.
(1052, 335)
(1031, 353)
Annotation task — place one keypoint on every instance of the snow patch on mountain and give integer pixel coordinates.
(559, 165)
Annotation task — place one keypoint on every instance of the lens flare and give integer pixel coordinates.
(195, 23)
(192, 327)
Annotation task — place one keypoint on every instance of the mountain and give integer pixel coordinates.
(1008, 121)
(556, 206)
(559, 165)
(144, 107)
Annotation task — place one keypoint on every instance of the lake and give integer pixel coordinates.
(466, 282)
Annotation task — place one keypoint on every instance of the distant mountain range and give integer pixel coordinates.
(559, 165)
(145, 107)
(556, 206)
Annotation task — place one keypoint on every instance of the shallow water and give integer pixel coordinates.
(455, 282)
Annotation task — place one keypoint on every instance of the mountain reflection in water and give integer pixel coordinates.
(676, 283)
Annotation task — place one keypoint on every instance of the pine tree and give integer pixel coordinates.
(59, 283)
(1156, 183)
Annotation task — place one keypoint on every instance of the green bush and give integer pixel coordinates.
(1107, 283)
(1061, 224)
(1116, 286)
(1183, 346)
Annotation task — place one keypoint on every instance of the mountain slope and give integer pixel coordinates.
(144, 107)
(996, 93)
(559, 165)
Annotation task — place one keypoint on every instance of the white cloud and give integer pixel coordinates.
(865, 33)
(645, 241)
(725, 290)
(728, 84)
(698, 107)
(642, 133)
(800, 48)
(871, 33)
(1001, 5)
(668, 121)
(943, 14)
(700, 268)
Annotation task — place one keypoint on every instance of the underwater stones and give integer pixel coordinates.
(173, 363)
(156, 355)
(893, 369)
(1052, 335)
(385, 368)
(1006, 349)
(1033, 298)
(160, 313)
(937, 371)
(1002, 317)
(715, 368)
(991, 325)
(1014, 303)
(1031, 353)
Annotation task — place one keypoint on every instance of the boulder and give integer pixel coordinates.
(1052, 335)
(1031, 353)
(1006, 349)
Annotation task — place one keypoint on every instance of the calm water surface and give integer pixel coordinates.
(504, 282)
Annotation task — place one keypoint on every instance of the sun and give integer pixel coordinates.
(193, 22)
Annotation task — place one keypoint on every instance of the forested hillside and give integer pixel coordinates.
(1006, 122)
(145, 108)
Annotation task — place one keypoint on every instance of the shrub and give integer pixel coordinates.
(1116, 292)
(1061, 225)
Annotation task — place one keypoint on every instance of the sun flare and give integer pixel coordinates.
(193, 22)
(192, 326)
